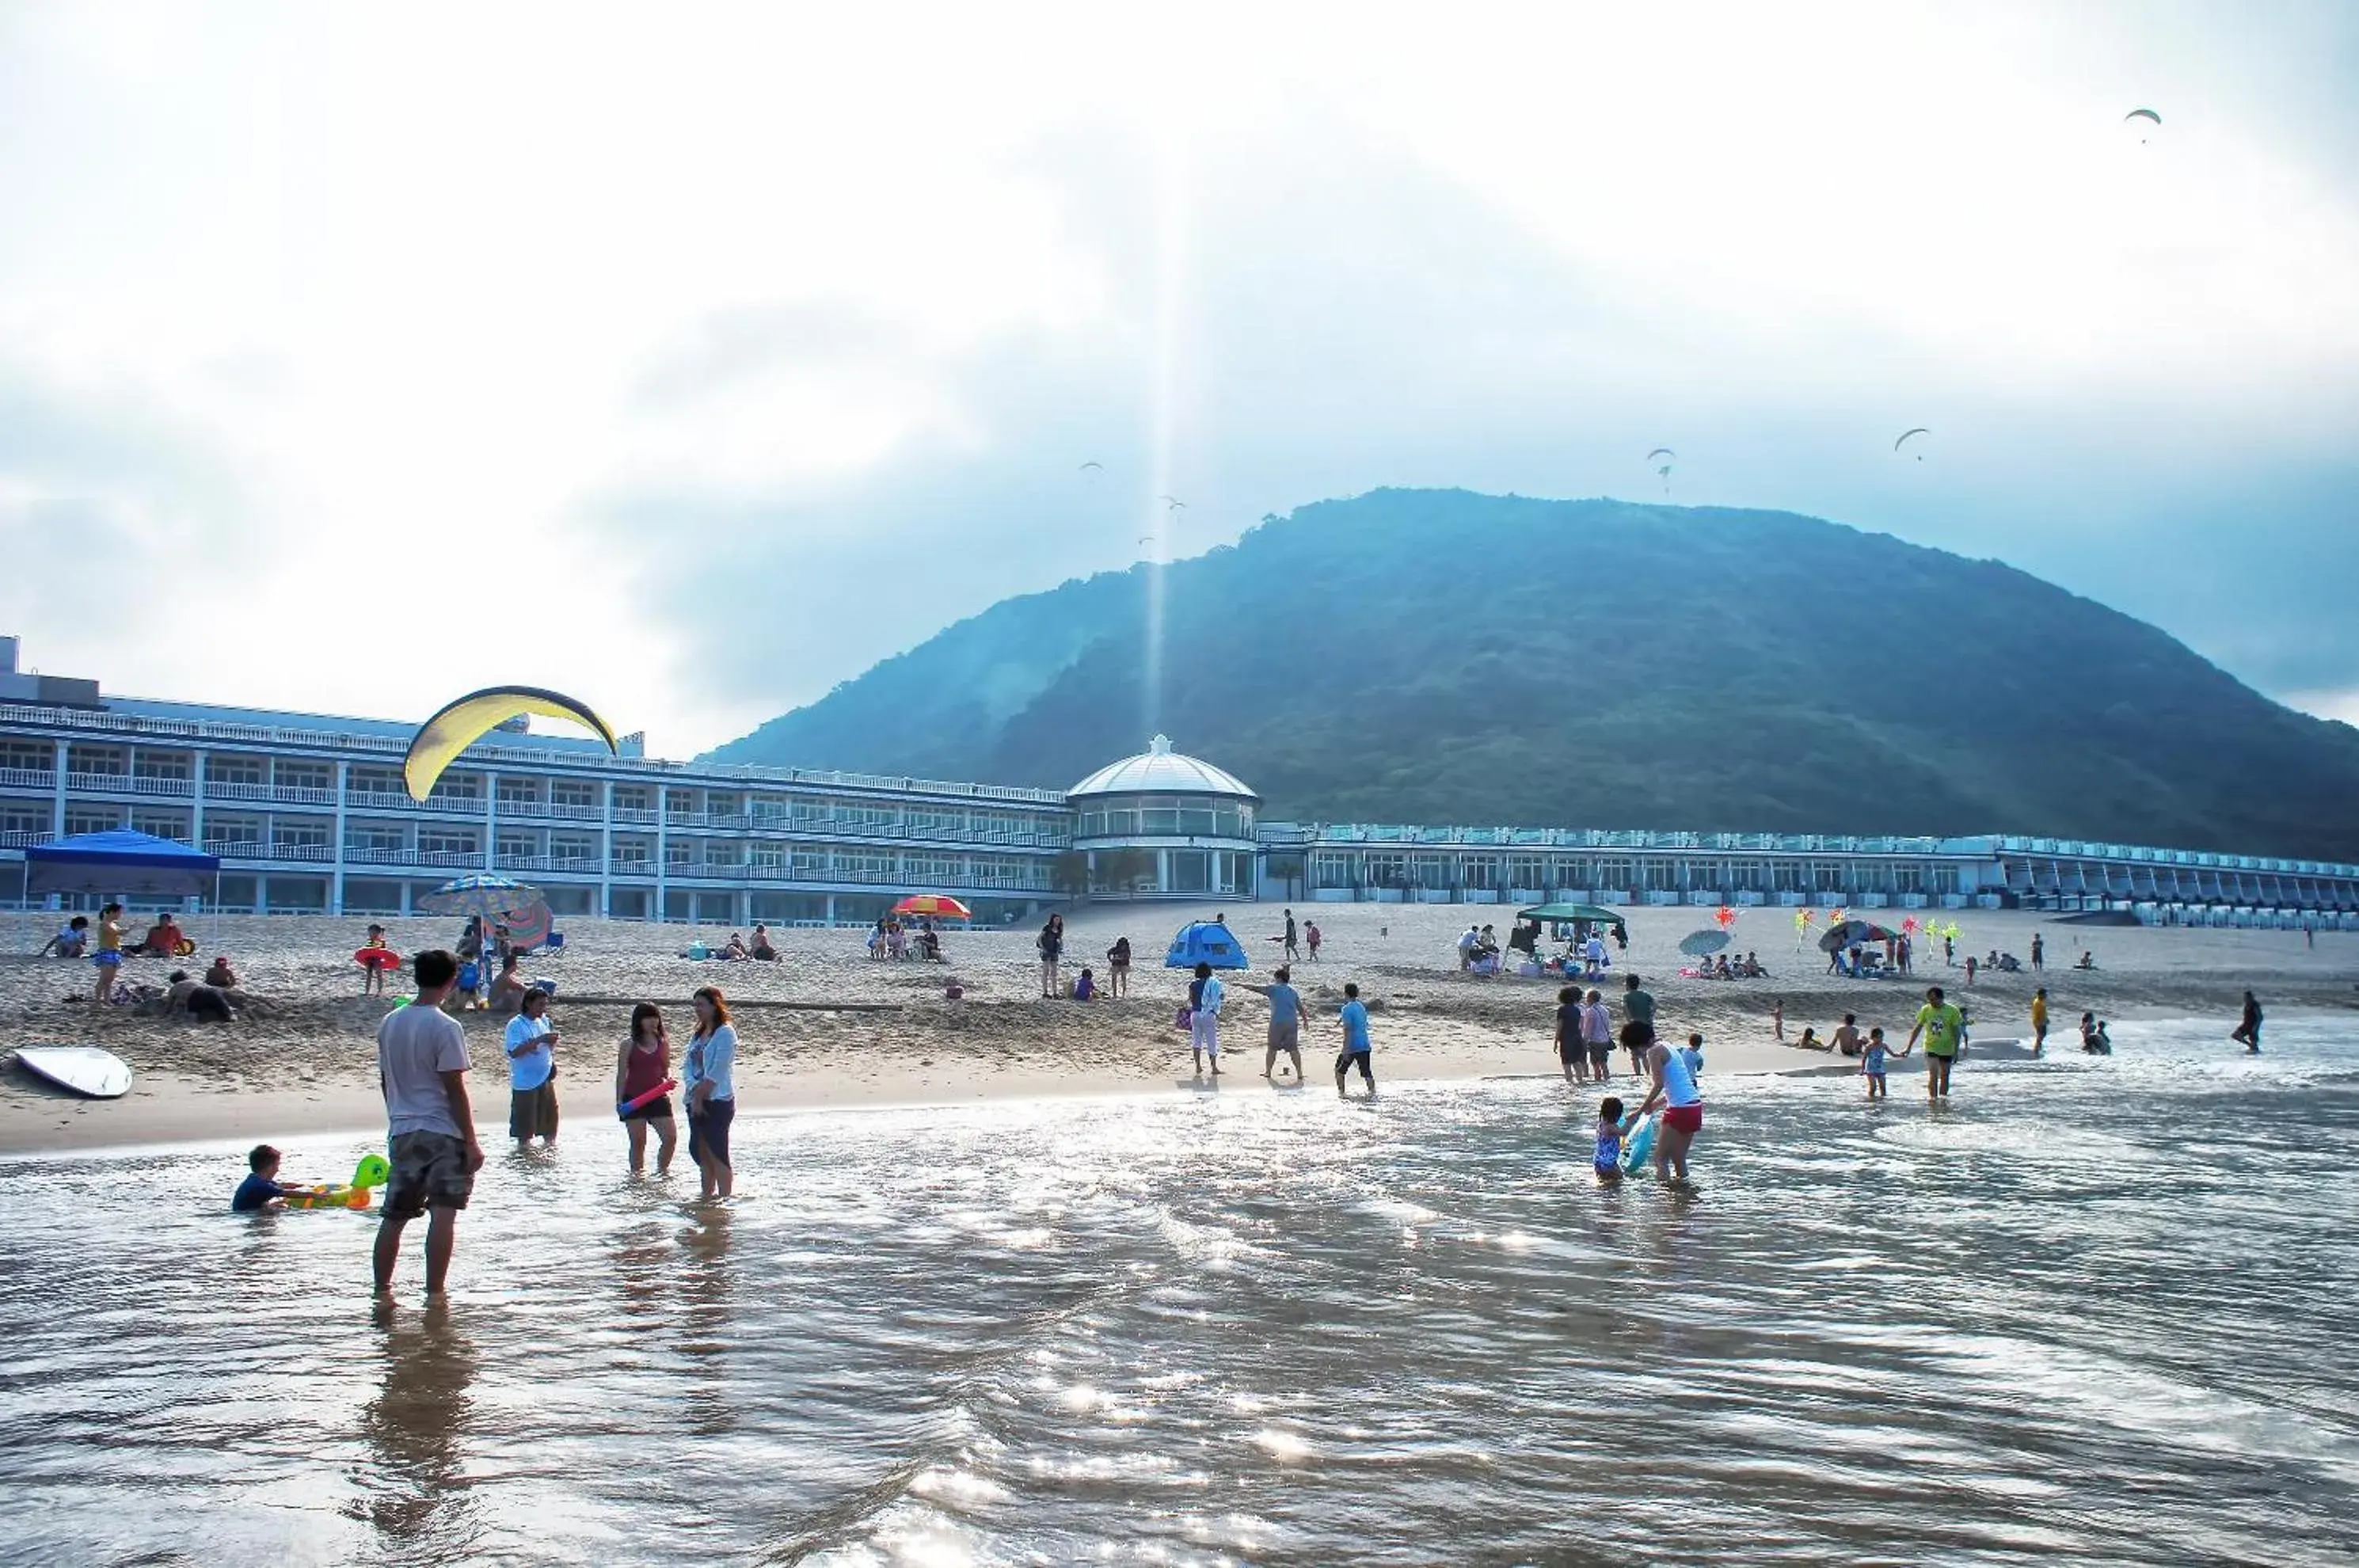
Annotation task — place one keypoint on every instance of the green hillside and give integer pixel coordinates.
(1444, 657)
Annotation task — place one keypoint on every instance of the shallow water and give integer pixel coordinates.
(2090, 1310)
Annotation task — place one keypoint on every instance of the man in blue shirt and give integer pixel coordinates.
(1285, 1023)
(1356, 1046)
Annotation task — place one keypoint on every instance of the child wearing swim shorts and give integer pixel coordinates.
(1871, 1063)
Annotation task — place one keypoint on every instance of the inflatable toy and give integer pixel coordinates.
(623, 1110)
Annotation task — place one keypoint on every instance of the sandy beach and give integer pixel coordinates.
(827, 1026)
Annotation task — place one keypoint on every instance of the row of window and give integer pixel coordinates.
(1167, 819)
(1441, 872)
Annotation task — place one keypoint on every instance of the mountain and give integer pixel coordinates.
(1444, 657)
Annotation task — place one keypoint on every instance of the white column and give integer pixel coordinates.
(606, 853)
(663, 850)
(491, 818)
(197, 800)
(1163, 871)
(336, 872)
(57, 791)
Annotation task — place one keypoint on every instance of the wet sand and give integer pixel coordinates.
(827, 1026)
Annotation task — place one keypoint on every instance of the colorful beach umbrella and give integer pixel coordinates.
(529, 927)
(479, 897)
(942, 906)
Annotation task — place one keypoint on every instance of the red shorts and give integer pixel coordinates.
(1688, 1119)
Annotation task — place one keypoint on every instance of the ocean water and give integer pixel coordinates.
(2090, 1310)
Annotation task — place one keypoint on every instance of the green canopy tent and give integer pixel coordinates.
(1574, 914)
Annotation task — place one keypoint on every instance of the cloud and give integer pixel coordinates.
(759, 346)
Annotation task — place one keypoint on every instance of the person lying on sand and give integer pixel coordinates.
(197, 999)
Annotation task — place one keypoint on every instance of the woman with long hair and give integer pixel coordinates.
(643, 1065)
(712, 1092)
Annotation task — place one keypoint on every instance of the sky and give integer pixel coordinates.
(692, 358)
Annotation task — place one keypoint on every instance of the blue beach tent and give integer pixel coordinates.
(118, 861)
(1205, 941)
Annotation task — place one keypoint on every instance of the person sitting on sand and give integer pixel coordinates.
(736, 952)
(163, 938)
(1085, 988)
(196, 998)
(507, 991)
(760, 948)
(1753, 970)
(1810, 1040)
(1846, 1036)
(953, 990)
(1720, 970)
(2088, 960)
(260, 1193)
(72, 940)
(220, 975)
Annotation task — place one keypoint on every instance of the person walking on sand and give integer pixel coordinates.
(1358, 1050)
(532, 1072)
(1637, 1022)
(1285, 1024)
(2039, 1009)
(643, 1066)
(711, 1093)
(1571, 1054)
(1204, 1018)
(1290, 955)
(1970, 971)
(1052, 949)
(1671, 1085)
(1778, 1020)
(1943, 1027)
(1310, 937)
(2248, 1027)
(2039, 952)
(421, 1067)
(1118, 967)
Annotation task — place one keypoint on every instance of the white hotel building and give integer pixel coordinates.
(309, 816)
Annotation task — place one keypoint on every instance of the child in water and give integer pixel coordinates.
(1610, 1129)
(1871, 1063)
(1693, 1053)
(260, 1191)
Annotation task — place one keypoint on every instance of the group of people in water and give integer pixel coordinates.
(434, 1149)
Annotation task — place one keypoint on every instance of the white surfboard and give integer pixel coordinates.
(84, 1069)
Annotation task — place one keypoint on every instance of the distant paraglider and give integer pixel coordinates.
(1664, 471)
(461, 724)
(1099, 467)
(2148, 116)
(1919, 430)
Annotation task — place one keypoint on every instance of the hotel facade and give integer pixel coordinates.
(309, 816)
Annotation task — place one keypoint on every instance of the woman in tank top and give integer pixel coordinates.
(644, 1065)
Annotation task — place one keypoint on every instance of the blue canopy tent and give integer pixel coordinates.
(123, 863)
(1205, 941)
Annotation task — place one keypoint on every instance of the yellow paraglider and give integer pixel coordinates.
(461, 724)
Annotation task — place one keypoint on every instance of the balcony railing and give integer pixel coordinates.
(274, 794)
(39, 778)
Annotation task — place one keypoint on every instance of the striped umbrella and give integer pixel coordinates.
(479, 897)
(529, 927)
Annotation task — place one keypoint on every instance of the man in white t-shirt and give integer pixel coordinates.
(1466, 945)
(421, 1064)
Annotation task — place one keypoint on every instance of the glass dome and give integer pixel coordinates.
(1160, 770)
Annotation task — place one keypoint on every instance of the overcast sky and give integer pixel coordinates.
(691, 359)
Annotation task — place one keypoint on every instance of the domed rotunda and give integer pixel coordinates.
(1162, 824)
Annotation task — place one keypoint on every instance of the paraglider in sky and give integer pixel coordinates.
(1171, 505)
(1919, 430)
(1099, 467)
(1663, 472)
(2146, 117)
(461, 724)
